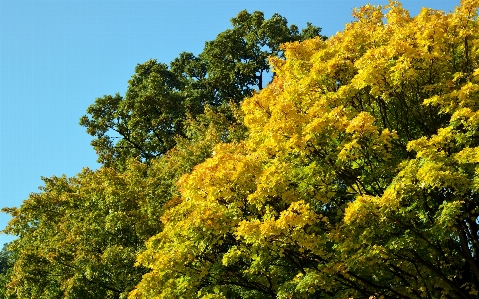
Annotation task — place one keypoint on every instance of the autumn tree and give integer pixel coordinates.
(357, 178)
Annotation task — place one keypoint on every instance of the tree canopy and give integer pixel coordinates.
(357, 178)
(352, 174)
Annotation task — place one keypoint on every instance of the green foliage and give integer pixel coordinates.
(79, 237)
(146, 122)
(5, 259)
(6, 269)
(238, 58)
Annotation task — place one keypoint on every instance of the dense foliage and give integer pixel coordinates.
(353, 174)
(6, 268)
(358, 176)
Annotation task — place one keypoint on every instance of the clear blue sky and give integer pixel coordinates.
(56, 57)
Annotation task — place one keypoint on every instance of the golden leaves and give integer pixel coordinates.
(361, 148)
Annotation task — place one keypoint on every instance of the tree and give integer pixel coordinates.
(145, 122)
(357, 178)
(79, 237)
(6, 268)
(238, 58)
(5, 259)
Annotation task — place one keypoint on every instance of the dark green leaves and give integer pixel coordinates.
(145, 122)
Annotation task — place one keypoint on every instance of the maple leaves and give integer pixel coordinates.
(357, 176)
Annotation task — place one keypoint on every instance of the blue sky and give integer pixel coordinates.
(56, 57)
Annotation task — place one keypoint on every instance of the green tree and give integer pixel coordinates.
(6, 268)
(79, 237)
(142, 124)
(159, 98)
(237, 59)
(5, 259)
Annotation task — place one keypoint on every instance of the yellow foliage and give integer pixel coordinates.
(358, 169)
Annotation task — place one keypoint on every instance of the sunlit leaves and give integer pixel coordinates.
(357, 176)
